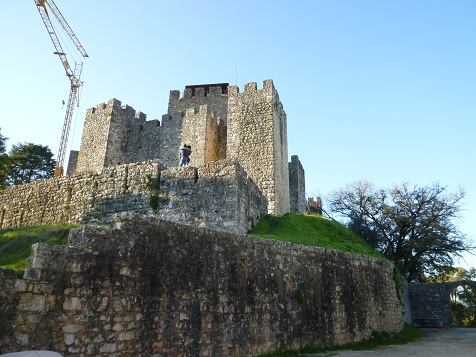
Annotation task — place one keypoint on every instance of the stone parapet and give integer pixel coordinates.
(217, 195)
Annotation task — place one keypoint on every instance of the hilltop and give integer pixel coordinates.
(313, 231)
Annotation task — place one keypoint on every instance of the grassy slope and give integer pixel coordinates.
(312, 230)
(15, 244)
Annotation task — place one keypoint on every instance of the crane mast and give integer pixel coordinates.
(74, 75)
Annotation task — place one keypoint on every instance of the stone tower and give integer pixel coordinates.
(203, 110)
(115, 134)
(257, 136)
(297, 186)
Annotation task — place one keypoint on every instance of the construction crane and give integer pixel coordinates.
(74, 75)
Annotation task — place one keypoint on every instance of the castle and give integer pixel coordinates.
(146, 286)
(238, 172)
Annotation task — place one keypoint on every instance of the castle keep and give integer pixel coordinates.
(239, 166)
(217, 120)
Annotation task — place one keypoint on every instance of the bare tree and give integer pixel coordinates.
(412, 226)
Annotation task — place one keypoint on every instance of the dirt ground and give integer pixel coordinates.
(451, 342)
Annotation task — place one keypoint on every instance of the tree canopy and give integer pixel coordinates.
(30, 162)
(412, 226)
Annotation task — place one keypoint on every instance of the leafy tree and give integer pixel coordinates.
(4, 161)
(30, 162)
(413, 226)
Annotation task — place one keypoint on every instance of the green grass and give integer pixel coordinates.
(377, 340)
(313, 231)
(15, 244)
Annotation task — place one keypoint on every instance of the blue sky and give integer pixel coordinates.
(377, 90)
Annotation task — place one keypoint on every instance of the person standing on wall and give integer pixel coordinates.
(189, 152)
(184, 154)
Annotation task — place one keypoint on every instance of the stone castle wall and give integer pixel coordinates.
(213, 138)
(257, 136)
(215, 99)
(218, 195)
(297, 186)
(154, 288)
(170, 139)
(81, 198)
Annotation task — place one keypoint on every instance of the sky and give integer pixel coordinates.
(376, 90)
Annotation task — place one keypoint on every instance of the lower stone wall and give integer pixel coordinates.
(155, 288)
(8, 303)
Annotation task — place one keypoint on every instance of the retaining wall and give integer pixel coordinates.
(155, 288)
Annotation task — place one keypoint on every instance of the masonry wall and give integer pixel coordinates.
(81, 198)
(297, 186)
(170, 139)
(257, 136)
(430, 303)
(72, 162)
(92, 153)
(218, 195)
(201, 130)
(155, 288)
(143, 141)
(216, 100)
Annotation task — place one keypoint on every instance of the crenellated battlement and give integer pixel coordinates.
(214, 95)
(252, 88)
(203, 109)
(200, 91)
(114, 104)
(102, 107)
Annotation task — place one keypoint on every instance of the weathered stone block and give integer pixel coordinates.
(31, 302)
